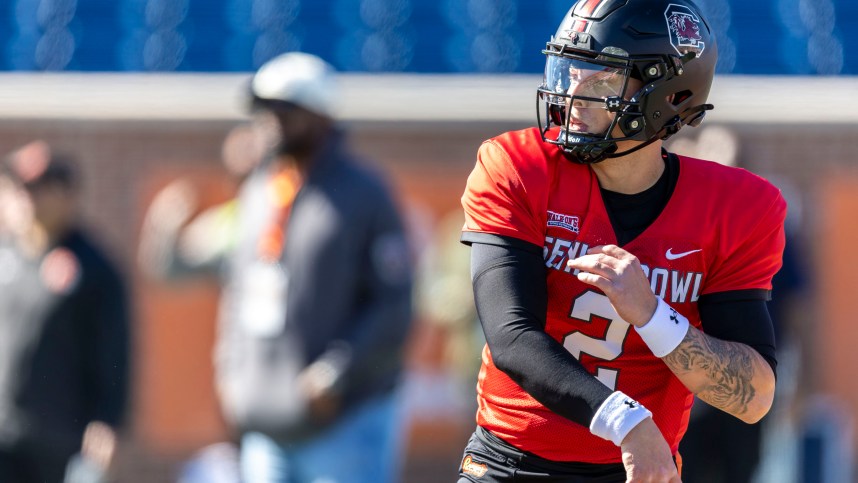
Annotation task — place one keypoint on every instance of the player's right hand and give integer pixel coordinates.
(316, 383)
(647, 457)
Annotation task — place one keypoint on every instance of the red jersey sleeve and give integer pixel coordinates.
(499, 200)
(753, 245)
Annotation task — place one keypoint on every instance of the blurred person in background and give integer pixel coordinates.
(64, 329)
(445, 301)
(316, 301)
(616, 280)
(443, 354)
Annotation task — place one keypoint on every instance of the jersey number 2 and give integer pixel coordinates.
(610, 346)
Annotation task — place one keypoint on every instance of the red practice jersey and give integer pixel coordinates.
(721, 230)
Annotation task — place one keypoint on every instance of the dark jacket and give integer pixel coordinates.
(64, 341)
(341, 293)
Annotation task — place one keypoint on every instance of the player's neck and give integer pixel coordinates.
(632, 173)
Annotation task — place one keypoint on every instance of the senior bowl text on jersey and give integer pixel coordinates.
(675, 286)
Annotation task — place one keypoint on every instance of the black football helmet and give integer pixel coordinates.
(666, 45)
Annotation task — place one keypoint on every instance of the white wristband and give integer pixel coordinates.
(665, 330)
(618, 415)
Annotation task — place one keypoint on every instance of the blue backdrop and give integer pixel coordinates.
(755, 36)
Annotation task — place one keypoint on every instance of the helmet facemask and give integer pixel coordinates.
(575, 85)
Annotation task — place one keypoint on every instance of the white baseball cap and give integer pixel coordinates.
(300, 78)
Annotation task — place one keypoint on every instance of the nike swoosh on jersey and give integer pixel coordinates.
(673, 256)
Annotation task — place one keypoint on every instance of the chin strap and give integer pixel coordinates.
(590, 153)
(597, 150)
(590, 150)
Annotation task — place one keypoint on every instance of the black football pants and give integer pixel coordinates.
(488, 459)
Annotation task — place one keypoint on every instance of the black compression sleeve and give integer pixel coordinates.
(511, 298)
(746, 321)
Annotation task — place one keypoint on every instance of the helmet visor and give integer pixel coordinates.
(587, 84)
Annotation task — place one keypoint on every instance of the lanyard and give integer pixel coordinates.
(281, 190)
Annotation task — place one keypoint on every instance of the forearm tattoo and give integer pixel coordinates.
(729, 369)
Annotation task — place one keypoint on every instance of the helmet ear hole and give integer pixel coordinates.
(680, 97)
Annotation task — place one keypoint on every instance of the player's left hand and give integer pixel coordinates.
(646, 455)
(618, 274)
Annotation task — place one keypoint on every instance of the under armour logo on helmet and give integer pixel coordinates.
(613, 103)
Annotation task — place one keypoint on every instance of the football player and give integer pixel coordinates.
(616, 280)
